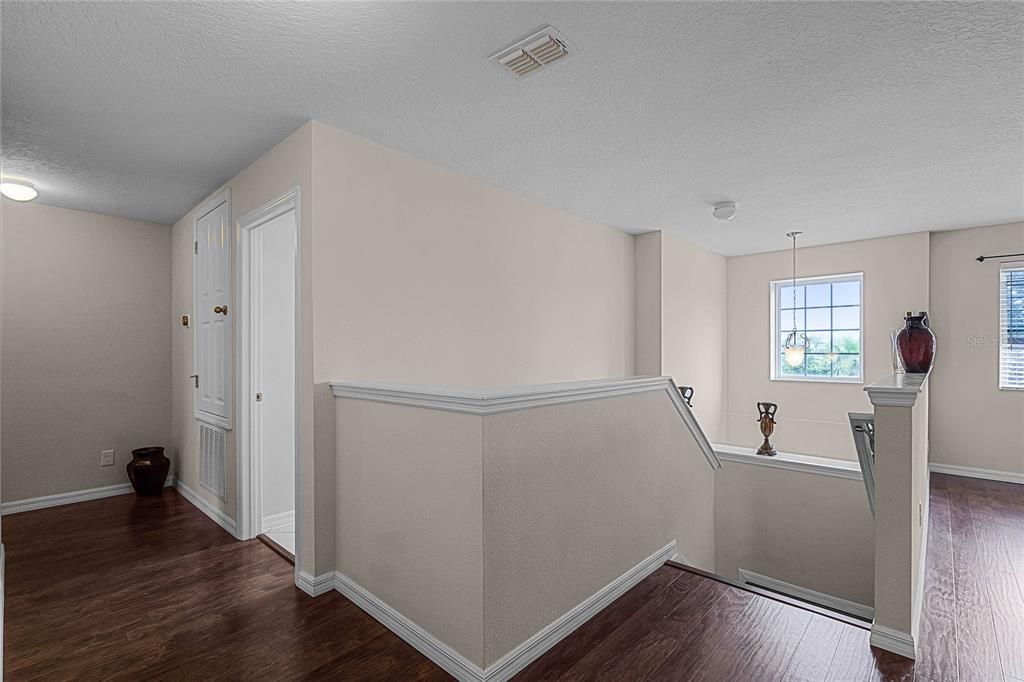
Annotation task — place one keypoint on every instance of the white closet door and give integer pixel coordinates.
(213, 316)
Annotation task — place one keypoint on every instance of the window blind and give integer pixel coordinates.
(1011, 326)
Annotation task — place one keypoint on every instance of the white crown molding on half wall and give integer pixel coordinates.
(496, 401)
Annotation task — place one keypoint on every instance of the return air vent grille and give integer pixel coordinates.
(211, 459)
(533, 53)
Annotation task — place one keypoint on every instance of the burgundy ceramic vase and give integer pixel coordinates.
(916, 344)
(148, 470)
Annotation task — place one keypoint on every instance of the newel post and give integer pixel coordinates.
(901, 509)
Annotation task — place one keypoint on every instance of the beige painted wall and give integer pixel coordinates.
(287, 165)
(681, 320)
(694, 320)
(409, 523)
(413, 273)
(577, 494)
(422, 275)
(808, 530)
(86, 354)
(648, 308)
(812, 416)
(974, 424)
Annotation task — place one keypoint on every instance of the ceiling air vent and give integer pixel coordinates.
(532, 54)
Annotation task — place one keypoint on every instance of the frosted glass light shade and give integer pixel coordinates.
(794, 356)
(18, 190)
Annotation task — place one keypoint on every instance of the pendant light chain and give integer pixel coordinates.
(794, 280)
(795, 341)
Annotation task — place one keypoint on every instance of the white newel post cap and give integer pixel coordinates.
(897, 390)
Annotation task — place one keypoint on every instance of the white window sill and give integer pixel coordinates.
(822, 380)
(807, 464)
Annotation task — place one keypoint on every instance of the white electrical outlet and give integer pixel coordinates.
(106, 458)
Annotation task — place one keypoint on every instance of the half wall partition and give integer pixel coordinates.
(485, 526)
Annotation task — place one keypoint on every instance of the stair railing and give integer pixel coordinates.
(862, 424)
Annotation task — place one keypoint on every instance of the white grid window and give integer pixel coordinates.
(1011, 326)
(828, 310)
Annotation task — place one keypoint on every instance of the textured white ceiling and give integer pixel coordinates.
(845, 120)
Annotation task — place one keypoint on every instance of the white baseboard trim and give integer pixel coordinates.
(314, 586)
(46, 501)
(452, 662)
(897, 642)
(60, 499)
(974, 472)
(530, 650)
(278, 521)
(804, 594)
(511, 663)
(219, 517)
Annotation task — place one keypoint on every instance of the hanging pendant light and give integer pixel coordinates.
(796, 343)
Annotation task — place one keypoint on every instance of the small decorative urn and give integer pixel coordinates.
(766, 419)
(148, 470)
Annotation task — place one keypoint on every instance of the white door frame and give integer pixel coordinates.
(249, 493)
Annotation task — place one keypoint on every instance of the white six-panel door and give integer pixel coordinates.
(213, 314)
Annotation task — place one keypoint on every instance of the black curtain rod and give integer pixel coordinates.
(982, 259)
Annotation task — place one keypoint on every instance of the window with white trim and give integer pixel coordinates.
(829, 312)
(1011, 326)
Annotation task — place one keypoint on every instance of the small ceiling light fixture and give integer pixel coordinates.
(724, 210)
(18, 190)
(796, 343)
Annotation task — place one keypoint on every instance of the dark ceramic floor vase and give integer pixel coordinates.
(148, 470)
(916, 344)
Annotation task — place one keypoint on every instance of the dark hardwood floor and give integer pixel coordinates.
(972, 619)
(128, 589)
(678, 626)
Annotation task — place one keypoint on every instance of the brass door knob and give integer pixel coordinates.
(222, 309)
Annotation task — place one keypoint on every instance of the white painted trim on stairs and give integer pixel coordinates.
(530, 650)
(278, 521)
(482, 402)
(72, 497)
(312, 585)
(219, 517)
(686, 414)
(458, 666)
(974, 472)
(804, 594)
(897, 642)
(496, 401)
(451, 661)
(807, 464)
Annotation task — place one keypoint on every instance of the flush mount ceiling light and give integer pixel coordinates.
(18, 190)
(724, 210)
(796, 343)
